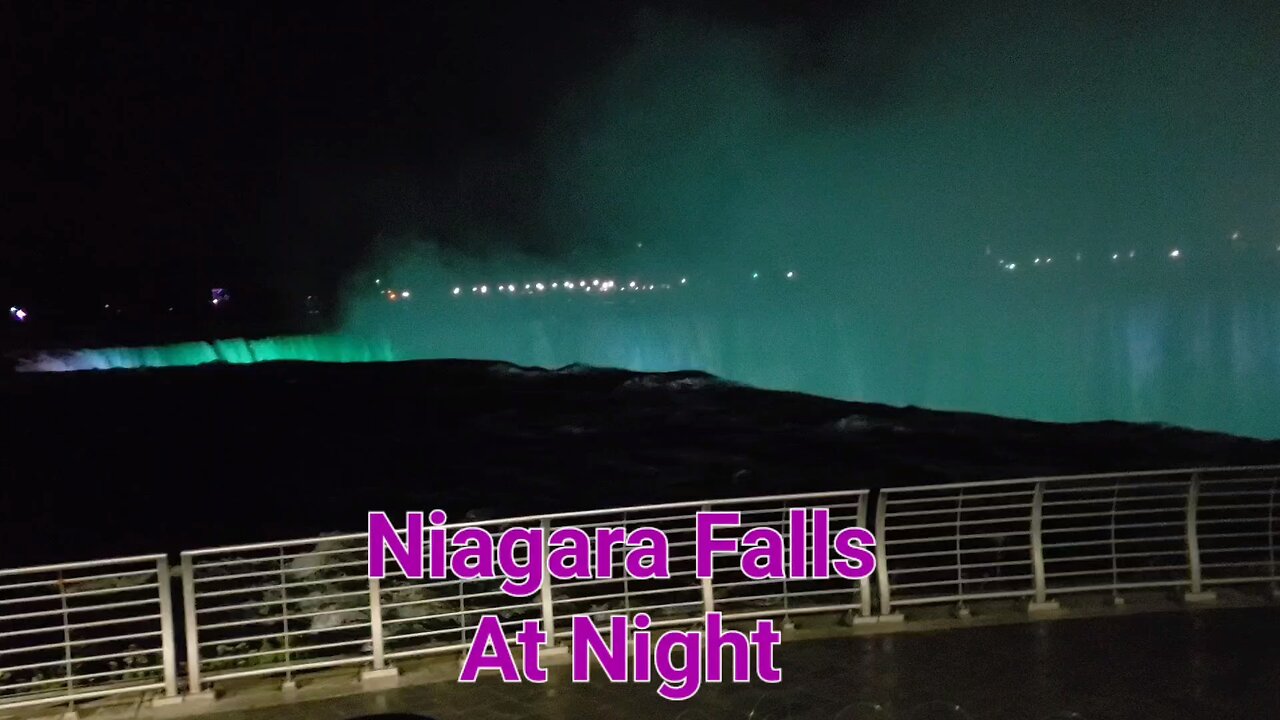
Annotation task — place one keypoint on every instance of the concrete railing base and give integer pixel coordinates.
(1047, 607)
(383, 679)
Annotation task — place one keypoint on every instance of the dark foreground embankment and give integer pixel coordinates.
(107, 463)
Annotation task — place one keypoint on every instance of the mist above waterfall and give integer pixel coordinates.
(954, 207)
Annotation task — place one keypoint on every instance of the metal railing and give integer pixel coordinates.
(1038, 538)
(954, 543)
(280, 608)
(275, 608)
(1237, 523)
(86, 630)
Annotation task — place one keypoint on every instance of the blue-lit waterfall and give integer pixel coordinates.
(1209, 363)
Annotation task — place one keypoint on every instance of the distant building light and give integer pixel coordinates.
(511, 287)
(555, 285)
(1115, 256)
(755, 275)
(457, 291)
(404, 294)
(484, 289)
(685, 280)
(1037, 261)
(377, 281)
(540, 286)
(1131, 253)
(595, 281)
(1175, 253)
(20, 314)
(792, 274)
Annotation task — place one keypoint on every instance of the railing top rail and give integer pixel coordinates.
(1094, 476)
(83, 564)
(549, 516)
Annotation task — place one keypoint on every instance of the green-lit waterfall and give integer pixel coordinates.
(236, 351)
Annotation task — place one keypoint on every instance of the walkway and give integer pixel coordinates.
(1204, 665)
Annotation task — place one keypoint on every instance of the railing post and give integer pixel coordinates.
(191, 626)
(548, 604)
(1041, 601)
(708, 590)
(864, 585)
(375, 623)
(378, 677)
(882, 560)
(66, 637)
(289, 684)
(1197, 592)
(168, 646)
(1271, 538)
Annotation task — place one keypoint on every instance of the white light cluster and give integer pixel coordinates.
(598, 285)
(1044, 260)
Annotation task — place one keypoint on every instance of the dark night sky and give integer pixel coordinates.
(169, 146)
(161, 145)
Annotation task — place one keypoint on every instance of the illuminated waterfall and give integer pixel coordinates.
(237, 351)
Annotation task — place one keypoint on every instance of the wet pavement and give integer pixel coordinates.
(1211, 665)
